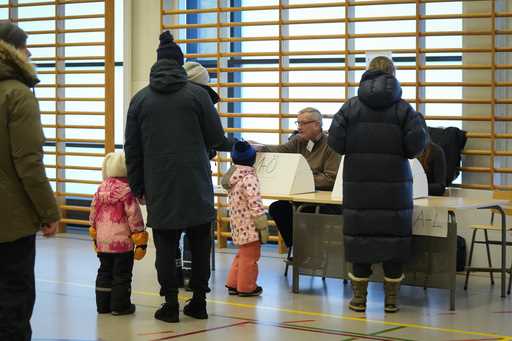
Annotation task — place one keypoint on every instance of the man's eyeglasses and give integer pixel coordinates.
(303, 123)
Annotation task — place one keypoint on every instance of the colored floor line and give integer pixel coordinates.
(360, 319)
(351, 334)
(202, 331)
(494, 339)
(157, 333)
(307, 328)
(287, 325)
(310, 313)
(298, 321)
(282, 326)
(378, 333)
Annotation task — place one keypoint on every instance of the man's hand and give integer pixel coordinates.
(256, 145)
(50, 229)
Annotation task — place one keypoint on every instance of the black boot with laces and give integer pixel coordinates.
(169, 311)
(196, 307)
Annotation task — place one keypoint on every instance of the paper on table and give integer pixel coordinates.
(428, 221)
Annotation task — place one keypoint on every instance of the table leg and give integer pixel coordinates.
(452, 235)
(452, 299)
(503, 250)
(295, 270)
(295, 280)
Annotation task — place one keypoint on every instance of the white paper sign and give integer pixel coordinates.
(428, 221)
(370, 55)
(419, 181)
(284, 174)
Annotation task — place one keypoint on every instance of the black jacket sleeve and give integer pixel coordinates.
(436, 171)
(133, 149)
(338, 130)
(211, 125)
(415, 133)
(227, 144)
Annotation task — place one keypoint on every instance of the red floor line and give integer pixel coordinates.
(203, 331)
(305, 328)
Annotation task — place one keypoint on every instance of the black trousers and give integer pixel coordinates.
(166, 242)
(17, 288)
(282, 213)
(391, 269)
(114, 281)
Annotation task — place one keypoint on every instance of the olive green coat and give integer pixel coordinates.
(26, 198)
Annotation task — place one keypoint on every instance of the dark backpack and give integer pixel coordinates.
(461, 254)
(452, 140)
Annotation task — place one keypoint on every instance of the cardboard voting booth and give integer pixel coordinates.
(419, 180)
(283, 174)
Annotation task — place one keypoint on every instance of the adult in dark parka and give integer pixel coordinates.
(27, 202)
(170, 126)
(378, 132)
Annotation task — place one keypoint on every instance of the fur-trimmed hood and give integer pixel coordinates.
(15, 65)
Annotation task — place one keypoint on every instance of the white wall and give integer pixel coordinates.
(142, 29)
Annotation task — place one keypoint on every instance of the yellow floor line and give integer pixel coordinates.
(310, 313)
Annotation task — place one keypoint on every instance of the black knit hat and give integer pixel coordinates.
(243, 154)
(168, 49)
(12, 34)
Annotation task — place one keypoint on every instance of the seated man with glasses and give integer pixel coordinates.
(311, 142)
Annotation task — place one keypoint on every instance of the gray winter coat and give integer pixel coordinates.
(377, 131)
(170, 126)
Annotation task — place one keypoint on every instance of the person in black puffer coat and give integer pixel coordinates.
(378, 132)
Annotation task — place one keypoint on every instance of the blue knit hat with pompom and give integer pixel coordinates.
(243, 154)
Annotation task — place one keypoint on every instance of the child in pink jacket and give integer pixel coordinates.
(248, 220)
(117, 227)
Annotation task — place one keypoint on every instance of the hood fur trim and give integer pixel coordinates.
(19, 63)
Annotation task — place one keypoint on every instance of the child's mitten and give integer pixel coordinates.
(140, 239)
(262, 227)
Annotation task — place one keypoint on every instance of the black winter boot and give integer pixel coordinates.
(196, 306)
(129, 310)
(170, 310)
(120, 300)
(103, 300)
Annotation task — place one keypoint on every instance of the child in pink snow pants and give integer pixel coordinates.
(248, 221)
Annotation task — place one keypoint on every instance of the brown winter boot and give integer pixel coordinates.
(360, 290)
(391, 287)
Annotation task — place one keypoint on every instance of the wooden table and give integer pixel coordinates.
(447, 245)
(444, 247)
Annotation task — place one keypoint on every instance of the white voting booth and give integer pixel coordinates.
(283, 174)
(419, 181)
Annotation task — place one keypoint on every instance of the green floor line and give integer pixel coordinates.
(382, 332)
